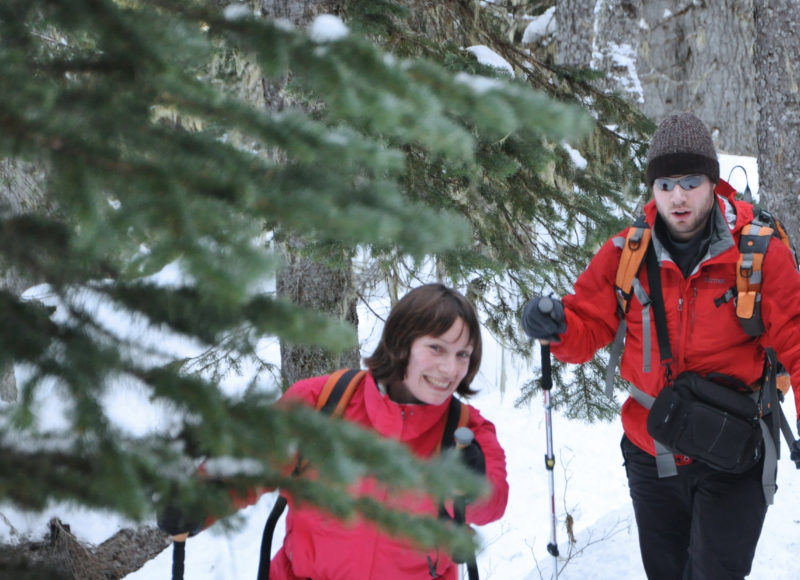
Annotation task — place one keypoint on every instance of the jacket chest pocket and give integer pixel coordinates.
(711, 311)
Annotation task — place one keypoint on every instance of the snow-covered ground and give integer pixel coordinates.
(590, 487)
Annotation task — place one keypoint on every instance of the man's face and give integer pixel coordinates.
(684, 202)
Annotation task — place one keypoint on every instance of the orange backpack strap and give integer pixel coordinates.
(753, 244)
(630, 262)
(333, 399)
(338, 390)
(463, 417)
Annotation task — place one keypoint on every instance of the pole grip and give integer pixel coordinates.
(547, 373)
(463, 437)
(546, 307)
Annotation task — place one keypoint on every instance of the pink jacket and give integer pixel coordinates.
(320, 547)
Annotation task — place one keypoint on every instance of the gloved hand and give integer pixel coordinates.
(173, 521)
(469, 451)
(795, 454)
(543, 318)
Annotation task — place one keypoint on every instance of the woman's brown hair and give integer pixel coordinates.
(428, 310)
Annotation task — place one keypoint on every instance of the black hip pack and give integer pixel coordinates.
(708, 422)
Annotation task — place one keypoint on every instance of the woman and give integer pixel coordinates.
(429, 350)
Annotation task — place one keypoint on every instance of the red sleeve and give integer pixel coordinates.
(491, 508)
(591, 310)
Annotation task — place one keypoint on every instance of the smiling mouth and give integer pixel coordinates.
(438, 384)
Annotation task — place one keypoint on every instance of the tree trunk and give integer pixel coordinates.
(312, 284)
(21, 191)
(60, 556)
(303, 280)
(575, 19)
(670, 60)
(777, 79)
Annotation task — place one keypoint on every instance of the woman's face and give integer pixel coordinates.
(436, 366)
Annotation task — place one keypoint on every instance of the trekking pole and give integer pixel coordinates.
(464, 437)
(178, 555)
(546, 307)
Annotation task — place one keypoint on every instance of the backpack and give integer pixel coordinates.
(753, 244)
(333, 399)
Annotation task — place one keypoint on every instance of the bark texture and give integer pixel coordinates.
(310, 283)
(21, 191)
(689, 56)
(778, 90)
(60, 556)
(575, 20)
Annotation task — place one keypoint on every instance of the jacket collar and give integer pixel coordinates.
(390, 418)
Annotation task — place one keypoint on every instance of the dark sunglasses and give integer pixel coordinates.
(686, 183)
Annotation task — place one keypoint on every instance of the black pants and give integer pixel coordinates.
(701, 524)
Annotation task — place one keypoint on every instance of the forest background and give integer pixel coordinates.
(291, 169)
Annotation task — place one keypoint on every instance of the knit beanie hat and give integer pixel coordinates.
(682, 146)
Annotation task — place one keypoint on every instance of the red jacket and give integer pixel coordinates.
(704, 337)
(320, 547)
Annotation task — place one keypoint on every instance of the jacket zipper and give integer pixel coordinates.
(681, 326)
(684, 324)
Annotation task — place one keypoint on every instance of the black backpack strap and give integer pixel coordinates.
(770, 403)
(665, 460)
(449, 440)
(659, 312)
(335, 395)
(452, 423)
(457, 416)
(266, 537)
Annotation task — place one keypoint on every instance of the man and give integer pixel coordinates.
(698, 522)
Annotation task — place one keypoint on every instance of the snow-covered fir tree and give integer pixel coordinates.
(199, 136)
